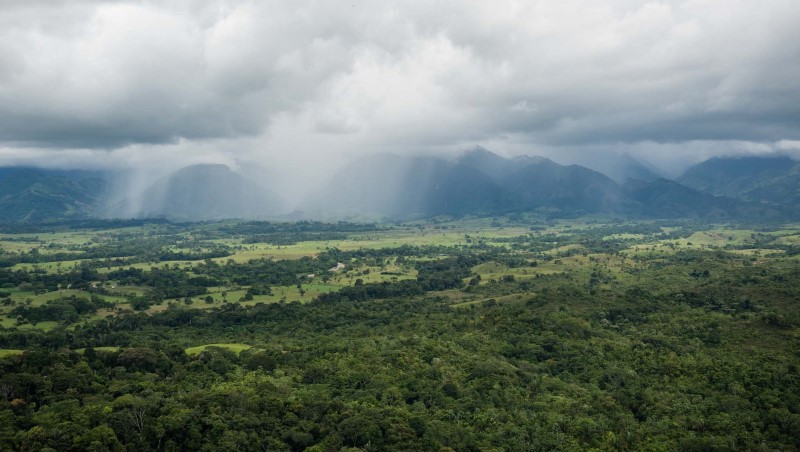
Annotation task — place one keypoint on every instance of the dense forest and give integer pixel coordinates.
(517, 335)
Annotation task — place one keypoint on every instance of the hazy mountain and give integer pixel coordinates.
(781, 191)
(544, 183)
(396, 186)
(665, 198)
(496, 167)
(768, 181)
(737, 177)
(204, 192)
(481, 182)
(536, 182)
(31, 194)
(622, 168)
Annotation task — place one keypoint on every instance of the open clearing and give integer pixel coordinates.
(235, 348)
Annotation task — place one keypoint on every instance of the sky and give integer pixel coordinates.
(294, 88)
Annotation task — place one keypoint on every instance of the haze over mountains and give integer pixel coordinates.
(631, 90)
(30, 194)
(478, 182)
(201, 192)
(771, 180)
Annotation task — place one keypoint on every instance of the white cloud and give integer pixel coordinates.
(299, 81)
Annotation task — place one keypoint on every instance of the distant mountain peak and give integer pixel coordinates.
(479, 150)
(537, 159)
(215, 168)
(620, 166)
(206, 191)
(36, 194)
(478, 154)
(769, 179)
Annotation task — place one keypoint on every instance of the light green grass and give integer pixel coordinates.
(494, 271)
(721, 237)
(311, 289)
(39, 299)
(497, 299)
(791, 239)
(12, 323)
(50, 267)
(624, 237)
(235, 348)
(5, 352)
(17, 247)
(99, 349)
(371, 240)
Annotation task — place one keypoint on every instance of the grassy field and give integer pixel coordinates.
(602, 331)
(573, 258)
(235, 348)
(371, 240)
(100, 349)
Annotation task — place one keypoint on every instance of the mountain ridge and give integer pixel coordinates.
(476, 183)
(207, 192)
(773, 180)
(496, 185)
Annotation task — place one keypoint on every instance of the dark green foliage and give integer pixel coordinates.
(691, 349)
(445, 273)
(482, 183)
(33, 195)
(753, 178)
(291, 233)
(67, 310)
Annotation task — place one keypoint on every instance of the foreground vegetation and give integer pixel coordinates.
(513, 333)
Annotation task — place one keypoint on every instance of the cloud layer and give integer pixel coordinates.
(293, 81)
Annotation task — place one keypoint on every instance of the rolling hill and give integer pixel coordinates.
(31, 194)
(406, 187)
(476, 183)
(207, 192)
(480, 182)
(767, 181)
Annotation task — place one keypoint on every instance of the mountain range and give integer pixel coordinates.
(480, 182)
(31, 195)
(766, 180)
(201, 192)
(476, 183)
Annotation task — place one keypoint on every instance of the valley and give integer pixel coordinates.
(424, 226)
(588, 333)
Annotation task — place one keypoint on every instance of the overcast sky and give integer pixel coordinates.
(283, 83)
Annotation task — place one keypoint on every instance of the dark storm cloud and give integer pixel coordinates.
(118, 73)
(284, 79)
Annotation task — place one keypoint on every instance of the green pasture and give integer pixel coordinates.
(5, 352)
(50, 267)
(235, 348)
(18, 247)
(624, 237)
(147, 265)
(494, 271)
(23, 298)
(12, 323)
(66, 238)
(789, 239)
(99, 349)
(573, 261)
(369, 240)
